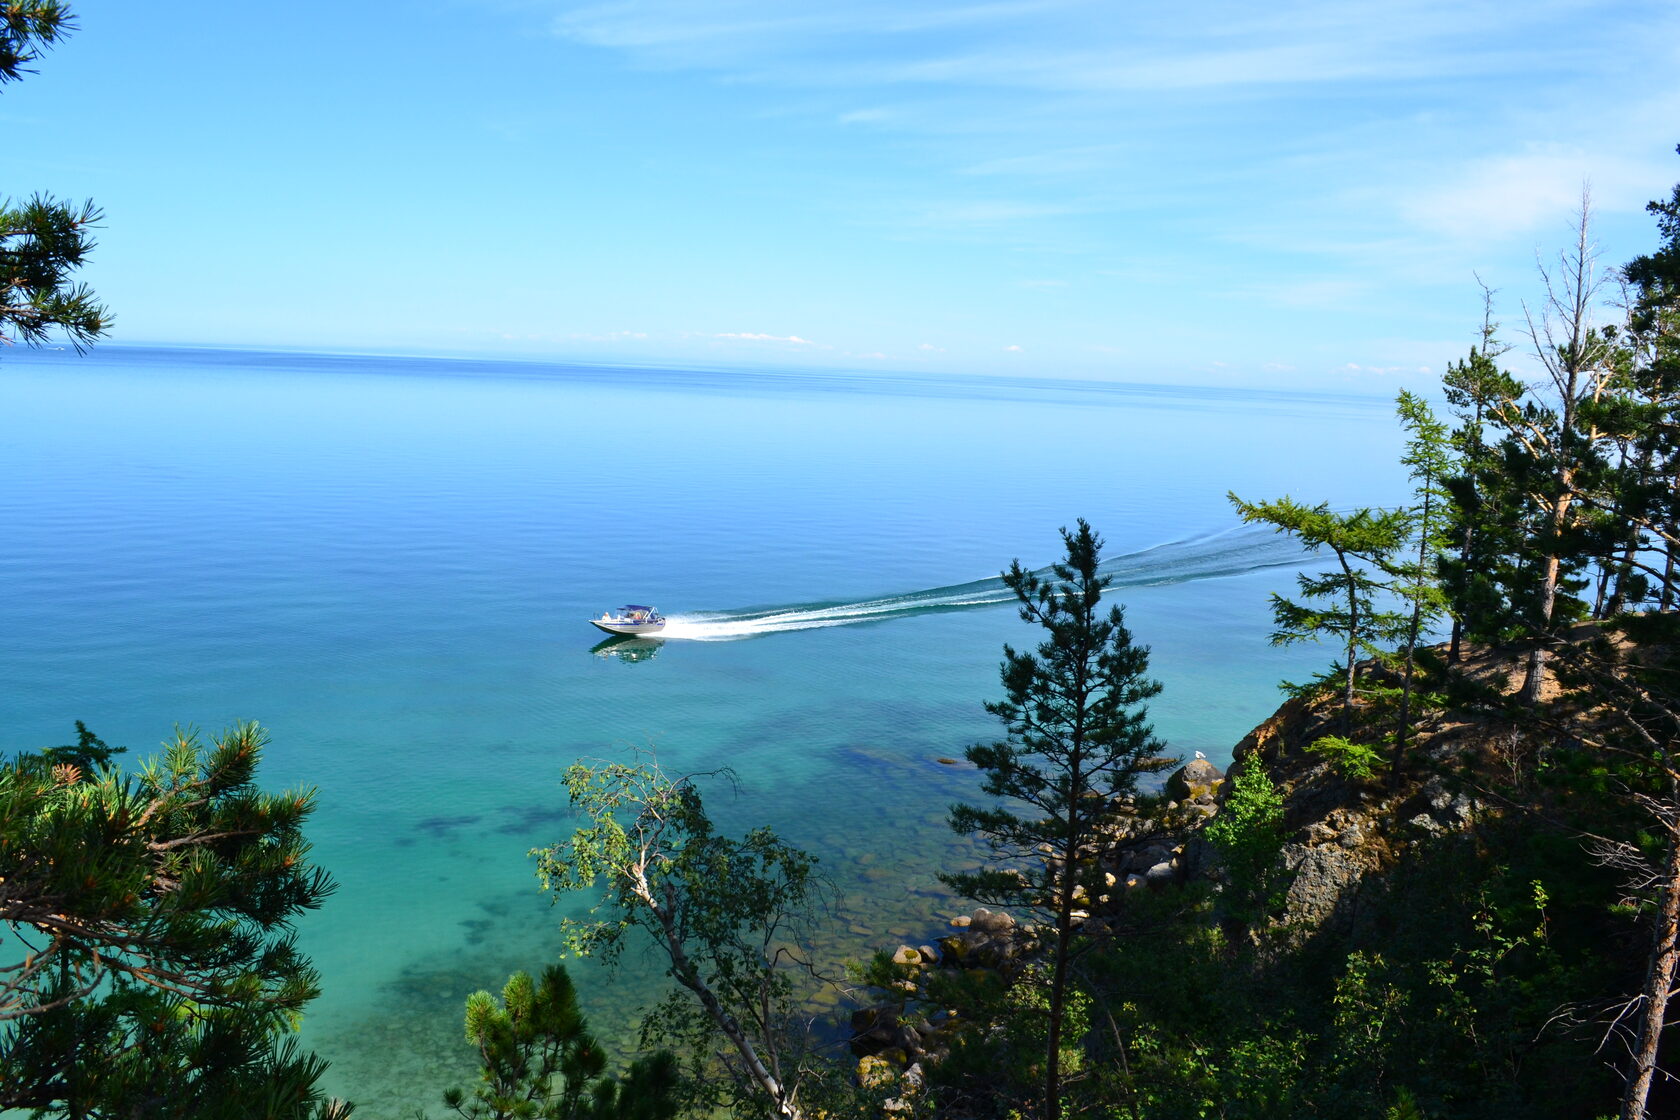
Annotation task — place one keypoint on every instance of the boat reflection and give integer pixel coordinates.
(628, 648)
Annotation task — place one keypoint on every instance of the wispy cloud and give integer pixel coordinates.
(1298, 159)
(865, 116)
(1062, 45)
(1496, 196)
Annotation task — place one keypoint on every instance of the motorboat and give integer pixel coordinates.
(630, 619)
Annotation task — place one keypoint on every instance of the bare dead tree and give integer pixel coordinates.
(1575, 356)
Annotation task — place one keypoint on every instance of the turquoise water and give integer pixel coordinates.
(388, 563)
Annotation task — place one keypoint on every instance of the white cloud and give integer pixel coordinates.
(931, 348)
(748, 336)
(1012, 350)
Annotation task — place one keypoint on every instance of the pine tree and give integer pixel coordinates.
(539, 1061)
(152, 969)
(1077, 735)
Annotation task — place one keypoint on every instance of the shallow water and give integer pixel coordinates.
(388, 563)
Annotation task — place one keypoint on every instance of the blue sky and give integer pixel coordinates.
(1294, 193)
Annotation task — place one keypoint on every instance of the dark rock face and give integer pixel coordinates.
(1326, 888)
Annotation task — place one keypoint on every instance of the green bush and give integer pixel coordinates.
(1358, 761)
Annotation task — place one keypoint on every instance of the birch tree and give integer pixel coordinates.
(725, 914)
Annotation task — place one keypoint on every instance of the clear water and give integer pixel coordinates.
(388, 562)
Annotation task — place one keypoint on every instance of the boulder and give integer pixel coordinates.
(874, 1072)
(969, 949)
(988, 922)
(875, 1029)
(1196, 778)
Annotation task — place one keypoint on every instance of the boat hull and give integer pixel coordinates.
(630, 629)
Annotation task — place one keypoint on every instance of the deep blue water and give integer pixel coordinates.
(388, 562)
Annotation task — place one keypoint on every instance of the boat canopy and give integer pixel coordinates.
(633, 607)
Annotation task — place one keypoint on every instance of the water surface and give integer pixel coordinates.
(388, 562)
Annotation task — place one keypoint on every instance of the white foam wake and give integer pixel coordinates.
(1211, 556)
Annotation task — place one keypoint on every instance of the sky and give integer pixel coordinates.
(1301, 193)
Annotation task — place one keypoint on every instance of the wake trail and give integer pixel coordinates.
(1229, 552)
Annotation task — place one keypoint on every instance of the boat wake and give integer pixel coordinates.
(1230, 552)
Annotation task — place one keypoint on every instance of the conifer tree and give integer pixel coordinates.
(1473, 388)
(1077, 734)
(1645, 420)
(1341, 602)
(1429, 459)
(43, 240)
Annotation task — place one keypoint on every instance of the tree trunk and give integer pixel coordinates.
(1052, 1107)
(1353, 639)
(1535, 678)
(689, 977)
(1403, 731)
(1670, 562)
(1659, 984)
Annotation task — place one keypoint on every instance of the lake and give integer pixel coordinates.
(389, 562)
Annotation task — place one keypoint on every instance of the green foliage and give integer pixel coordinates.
(1356, 761)
(539, 1061)
(1248, 834)
(1405, 1107)
(729, 916)
(1430, 460)
(43, 240)
(88, 754)
(151, 920)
